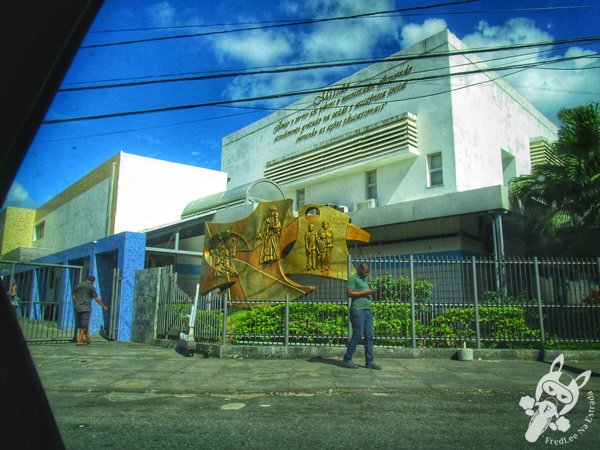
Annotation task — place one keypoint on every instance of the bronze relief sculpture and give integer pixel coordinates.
(254, 256)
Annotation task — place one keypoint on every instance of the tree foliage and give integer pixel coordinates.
(560, 199)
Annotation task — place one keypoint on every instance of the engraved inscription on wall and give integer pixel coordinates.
(340, 106)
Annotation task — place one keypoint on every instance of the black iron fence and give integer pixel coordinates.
(41, 298)
(175, 300)
(427, 302)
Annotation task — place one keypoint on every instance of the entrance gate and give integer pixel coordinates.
(43, 298)
(111, 330)
(44, 306)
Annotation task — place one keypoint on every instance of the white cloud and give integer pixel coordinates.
(514, 31)
(413, 33)
(550, 87)
(347, 39)
(162, 13)
(167, 14)
(19, 196)
(579, 52)
(256, 48)
(319, 42)
(548, 90)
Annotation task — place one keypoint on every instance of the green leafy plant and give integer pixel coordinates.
(500, 326)
(398, 289)
(500, 299)
(182, 311)
(209, 324)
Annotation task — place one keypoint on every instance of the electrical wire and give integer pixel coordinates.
(234, 72)
(278, 25)
(258, 109)
(286, 69)
(306, 92)
(383, 14)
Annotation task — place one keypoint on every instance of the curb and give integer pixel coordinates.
(307, 352)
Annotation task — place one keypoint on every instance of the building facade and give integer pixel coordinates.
(419, 149)
(16, 227)
(126, 193)
(99, 223)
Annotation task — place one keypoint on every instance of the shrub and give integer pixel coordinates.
(398, 289)
(504, 326)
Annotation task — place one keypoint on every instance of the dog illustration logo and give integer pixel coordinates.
(555, 395)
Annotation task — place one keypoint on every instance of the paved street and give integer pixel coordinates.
(133, 396)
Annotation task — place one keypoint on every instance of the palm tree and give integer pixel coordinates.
(560, 200)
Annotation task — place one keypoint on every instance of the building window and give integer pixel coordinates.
(434, 164)
(38, 231)
(372, 184)
(299, 198)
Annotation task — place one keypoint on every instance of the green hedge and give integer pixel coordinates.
(501, 326)
(398, 289)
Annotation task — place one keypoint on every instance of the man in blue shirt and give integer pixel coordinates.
(361, 317)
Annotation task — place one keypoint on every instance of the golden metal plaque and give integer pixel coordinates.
(253, 257)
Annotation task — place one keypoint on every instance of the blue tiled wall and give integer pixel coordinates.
(125, 251)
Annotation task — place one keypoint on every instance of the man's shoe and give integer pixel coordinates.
(350, 365)
(373, 366)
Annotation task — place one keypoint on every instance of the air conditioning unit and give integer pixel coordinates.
(341, 208)
(366, 204)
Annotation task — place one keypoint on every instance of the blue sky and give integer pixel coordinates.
(64, 152)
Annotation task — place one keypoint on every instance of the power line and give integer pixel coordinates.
(174, 77)
(310, 91)
(331, 65)
(173, 124)
(384, 14)
(257, 109)
(223, 73)
(279, 25)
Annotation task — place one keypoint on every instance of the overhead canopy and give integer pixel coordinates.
(262, 189)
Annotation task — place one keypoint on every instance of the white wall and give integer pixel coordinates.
(246, 152)
(80, 220)
(472, 128)
(152, 192)
(489, 118)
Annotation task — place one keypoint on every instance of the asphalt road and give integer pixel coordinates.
(423, 420)
(131, 396)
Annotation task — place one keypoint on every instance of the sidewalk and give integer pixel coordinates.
(131, 367)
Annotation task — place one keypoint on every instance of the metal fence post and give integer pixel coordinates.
(286, 339)
(539, 299)
(476, 303)
(192, 317)
(413, 330)
(12, 275)
(224, 338)
(349, 300)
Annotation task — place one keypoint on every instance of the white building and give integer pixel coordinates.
(126, 193)
(419, 148)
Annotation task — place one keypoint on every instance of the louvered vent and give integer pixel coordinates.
(540, 151)
(394, 138)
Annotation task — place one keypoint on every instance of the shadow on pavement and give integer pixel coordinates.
(322, 360)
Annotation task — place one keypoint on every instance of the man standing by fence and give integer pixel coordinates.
(82, 301)
(361, 317)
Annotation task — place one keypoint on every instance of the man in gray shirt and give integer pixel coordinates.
(82, 302)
